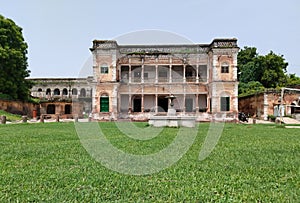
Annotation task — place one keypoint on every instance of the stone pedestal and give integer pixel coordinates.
(171, 112)
(172, 121)
(3, 119)
(57, 118)
(24, 119)
(42, 118)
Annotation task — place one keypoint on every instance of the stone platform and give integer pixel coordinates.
(172, 121)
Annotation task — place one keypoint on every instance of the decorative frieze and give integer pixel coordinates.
(163, 50)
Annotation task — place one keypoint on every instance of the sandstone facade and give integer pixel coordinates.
(133, 81)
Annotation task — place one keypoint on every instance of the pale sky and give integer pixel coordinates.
(59, 33)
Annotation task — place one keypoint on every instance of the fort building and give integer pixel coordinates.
(133, 81)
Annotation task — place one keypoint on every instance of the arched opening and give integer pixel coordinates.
(74, 91)
(65, 91)
(40, 90)
(82, 92)
(56, 91)
(51, 109)
(104, 103)
(68, 109)
(48, 91)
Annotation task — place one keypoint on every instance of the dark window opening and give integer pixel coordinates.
(74, 91)
(51, 109)
(48, 91)
(56, 92)
(225, 69)
(65, 91)
(225, 103)
(137, 107)
(68, 109)
(82, 92)
(104, 69)
(163, 104)
(40, 90)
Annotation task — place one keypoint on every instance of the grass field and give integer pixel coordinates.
(251, 163)
(9, 116)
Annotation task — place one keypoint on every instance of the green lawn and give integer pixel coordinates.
(45, 162)
(9, 116)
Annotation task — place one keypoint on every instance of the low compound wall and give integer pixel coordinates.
(19, 107)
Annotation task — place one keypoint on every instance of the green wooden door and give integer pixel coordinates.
(104, 104)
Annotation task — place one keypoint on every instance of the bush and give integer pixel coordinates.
(271, 118)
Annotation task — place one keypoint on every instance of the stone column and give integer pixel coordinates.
(156, 102)
(170, 70)
(156, 70)
(184, 67)
(57, 117)
(129, 103)
(129, 71)
(208, 103)
(197, 73)
(184, 96)
(142, 105)
(197, 103)
(42, 118)
(142, 72)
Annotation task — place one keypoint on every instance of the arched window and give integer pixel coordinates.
(48, 91)
(74, 91)
(225, 68)
(40, 90)
(82, 92)
(65, 91)
(56, 91)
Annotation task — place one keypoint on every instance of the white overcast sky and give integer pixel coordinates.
(59, 33)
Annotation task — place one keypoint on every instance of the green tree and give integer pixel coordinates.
(269, 70)
(250, 88)
(13, 61)
(274, 70)
(292, 80)
(248, 66)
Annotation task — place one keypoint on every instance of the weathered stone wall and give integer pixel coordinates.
(252, 105)
(18, 107)
(262, 104)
